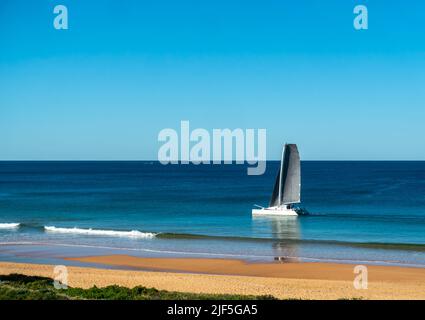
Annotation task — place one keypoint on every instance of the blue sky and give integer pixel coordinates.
(127, 69)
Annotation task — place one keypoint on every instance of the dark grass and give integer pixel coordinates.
(22, 287)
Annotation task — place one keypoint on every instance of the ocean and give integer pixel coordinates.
(362, 212)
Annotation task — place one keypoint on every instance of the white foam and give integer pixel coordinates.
(9, 225)
(112, 233)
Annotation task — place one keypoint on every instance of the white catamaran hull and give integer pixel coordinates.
(274, 211)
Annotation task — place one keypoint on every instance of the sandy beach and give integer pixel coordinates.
(282, 280)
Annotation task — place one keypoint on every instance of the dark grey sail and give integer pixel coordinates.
(287, 187)
(274, 201)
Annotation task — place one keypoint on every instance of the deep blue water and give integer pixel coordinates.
(359, 211)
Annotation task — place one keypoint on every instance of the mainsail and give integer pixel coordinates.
(287, 186)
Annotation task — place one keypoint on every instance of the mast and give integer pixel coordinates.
(280, 176)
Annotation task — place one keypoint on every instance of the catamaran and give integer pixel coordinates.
(287, 188)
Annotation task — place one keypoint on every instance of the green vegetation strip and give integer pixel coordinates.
(21, 287)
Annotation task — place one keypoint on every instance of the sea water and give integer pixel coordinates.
(359, 212)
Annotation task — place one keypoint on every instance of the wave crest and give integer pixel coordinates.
(9, 225)
(112, 233)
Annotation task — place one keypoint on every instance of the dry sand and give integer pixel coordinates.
(282, 280)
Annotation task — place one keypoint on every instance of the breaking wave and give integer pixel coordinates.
(111, 233)
(9, 225)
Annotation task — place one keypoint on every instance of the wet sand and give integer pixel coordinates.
(282, 280)
(291, 270)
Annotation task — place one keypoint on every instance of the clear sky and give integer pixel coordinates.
(124, 70)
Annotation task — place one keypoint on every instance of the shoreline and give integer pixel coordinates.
(49, 253)
(293, 280)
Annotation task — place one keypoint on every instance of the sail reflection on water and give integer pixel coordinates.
(285, 232)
